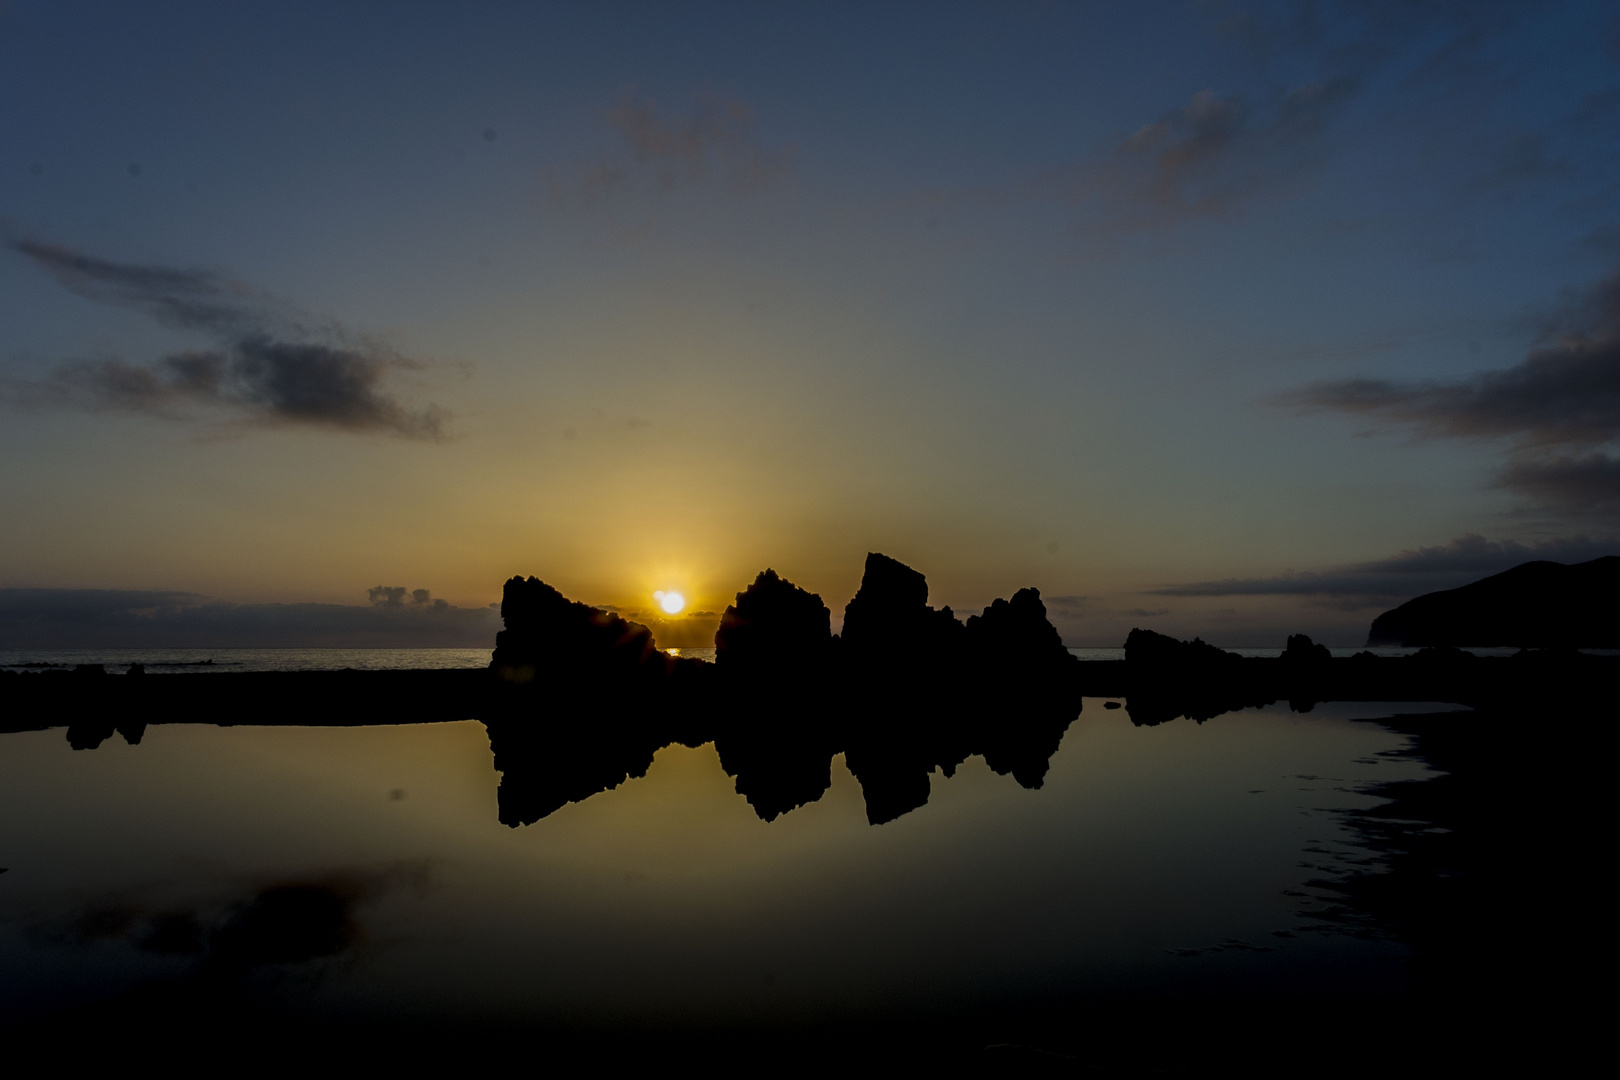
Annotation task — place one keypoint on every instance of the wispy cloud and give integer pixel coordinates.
(1558, 409)
(716, 140)
(268, 365)
(1205, 159)
(1227, 149)
(1074, 608)
(1409, 573)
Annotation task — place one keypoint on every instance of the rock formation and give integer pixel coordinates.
(774, 628)
(548, 636)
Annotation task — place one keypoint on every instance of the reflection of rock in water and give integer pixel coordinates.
(779, 766)
(576, 749)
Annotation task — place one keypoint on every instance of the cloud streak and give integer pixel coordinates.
(1558, 409)
(1206, 159)
(1409, 573)
(267, 367)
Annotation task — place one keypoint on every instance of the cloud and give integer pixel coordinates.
(394, 596)
(119, 618)
(716, 139)
(1220, 151)
(1587, 485)
(1411, 572)
(268, 366)
(1558, 408)
(1207, 158)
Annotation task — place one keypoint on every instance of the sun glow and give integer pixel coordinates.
(671, 602)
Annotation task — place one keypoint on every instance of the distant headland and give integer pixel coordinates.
(1533, 605)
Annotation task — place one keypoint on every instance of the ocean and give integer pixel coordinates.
(204, 661)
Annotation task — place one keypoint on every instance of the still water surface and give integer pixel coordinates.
(1154, 862)
(205, 661)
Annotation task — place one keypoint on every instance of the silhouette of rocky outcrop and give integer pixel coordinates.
(775, 629)
(890, 622)
(548, 637)
(1304, 654)
(1533, 605)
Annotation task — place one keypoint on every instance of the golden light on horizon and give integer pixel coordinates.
(671, 602)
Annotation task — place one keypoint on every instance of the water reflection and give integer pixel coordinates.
(781, 760)
(249, 868)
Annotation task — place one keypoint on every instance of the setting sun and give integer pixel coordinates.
(671, 602)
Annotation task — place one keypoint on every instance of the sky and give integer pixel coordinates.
(1228, 319)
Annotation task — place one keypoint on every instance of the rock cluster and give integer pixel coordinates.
(903, 691)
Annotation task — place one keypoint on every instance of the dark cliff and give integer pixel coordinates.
(1534, 605)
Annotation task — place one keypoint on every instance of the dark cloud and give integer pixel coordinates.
(1558, 409)
(117, 618)
(1410, 573)
(268, 367)
(182, 299)
(1586, 485)
(715, 140)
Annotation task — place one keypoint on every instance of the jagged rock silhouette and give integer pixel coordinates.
(549, 636)
(773, 627)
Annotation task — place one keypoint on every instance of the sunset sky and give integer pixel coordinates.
(1224, 318)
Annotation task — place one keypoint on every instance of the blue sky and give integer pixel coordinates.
(1119, 300)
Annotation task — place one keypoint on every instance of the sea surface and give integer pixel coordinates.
(1178, 862)
(204, 661)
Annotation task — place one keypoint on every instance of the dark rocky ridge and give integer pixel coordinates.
(1533, 605)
